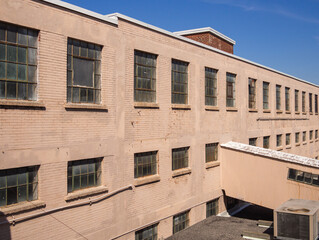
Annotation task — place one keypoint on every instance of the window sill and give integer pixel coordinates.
(316, 140)
(297, 113)
(280, 148)
(316, 113)
(304, 143)
(297, 144)
(279, 111)
(180, 172)
(311, 141)
(266, 111)
(252, 110)
(22, 207)
(146, 180)
(85, 193)
(231, 109)
(211, 108)
(288, 147)
(311, 113)
(145, 105)
(304, 113)
(22, 104)
(85, 107)
(211, 164)
(288, 112)
(181, 107)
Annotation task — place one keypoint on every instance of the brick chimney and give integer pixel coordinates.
(210, 37)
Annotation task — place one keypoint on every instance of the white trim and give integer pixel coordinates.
(206, 29)
(137, 22)
(81, 10)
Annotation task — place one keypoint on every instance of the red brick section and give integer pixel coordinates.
(212, 40)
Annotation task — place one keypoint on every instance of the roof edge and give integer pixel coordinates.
(206, 29)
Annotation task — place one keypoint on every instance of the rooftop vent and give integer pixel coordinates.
(297, 219)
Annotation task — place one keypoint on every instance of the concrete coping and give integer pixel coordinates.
(181, 107)
(212, 164)
(146, 105)
(180, 172)
(85, 193)
(146, 180)
(287, 157)
(22, 103)
(85, 106)
(22, 207)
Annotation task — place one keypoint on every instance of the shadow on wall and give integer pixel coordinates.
(5, 233)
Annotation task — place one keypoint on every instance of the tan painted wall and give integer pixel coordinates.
(52, 137)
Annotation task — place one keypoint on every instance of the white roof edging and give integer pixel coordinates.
(206, 29)
(287, 157)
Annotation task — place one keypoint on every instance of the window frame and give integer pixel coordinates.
(266, 96)
(153, 229)
(251, 140)
(296, 100)
(177, 72)
(211, 87)
(267, 139)
(303, 102)
(279, 140)
(212, 207)
(230, 89)
(153, 164)
(211, 156)
(310, 103)
(183, 160)
(297, 137)
(288, 139)
(278, 97)
(182, 223)
(287, 99)
(252, 93)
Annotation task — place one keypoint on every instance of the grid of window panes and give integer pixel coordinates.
(148, 233)
(252, 93)
(144, 77)
(18, 185)
(316, 103)
(266, 142)
(253, 141)
(310, 102)
(311, 135)
(212, 208)
(279, 140)
(304, 136)
(278, 98)
(297, 136)
(180, 222)
(265, 95)
(288, 139)
(145, 164)
(230, 89)
(287, 99)
(296, 100)
(179, 82)
(84, 72)
(211, 152)
(18, 62)
(316, 134)
(84, 174)
(180, 158)
(304, 177)
(303, 102)
(210, 86)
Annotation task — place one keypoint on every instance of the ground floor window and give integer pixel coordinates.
(180, 222)
(212, 208)
(148, 233)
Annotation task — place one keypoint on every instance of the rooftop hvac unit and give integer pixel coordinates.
(297, 219)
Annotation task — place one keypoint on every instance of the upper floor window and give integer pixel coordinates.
(265, 95)
(303, 102)
(310, 102)
(180, 158)
(279, 140)
(179, 82)
(84, 72)
(144, 77)
(84, 173)
(288, 139)
(304, 136)
(18, 185)
(230, 90)
(253, 141)
(311, 135)
(316, 134)
(252, 93)
(210, 86)
(266, 142)
(212, 208)
(211, 152)
(180, 222)
(18, 62)
(287, 99)
(278, 97)
(148, 233)
(296, 100)
(316, 103)
(145, 164)
(297, 135)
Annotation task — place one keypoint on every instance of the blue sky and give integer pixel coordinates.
(281, 34)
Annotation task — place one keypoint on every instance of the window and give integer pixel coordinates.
(296, 100)
(145, 164)
(310, 102)
(279, 140)
(179, 82)
(316, 103)
(230, 90)
(304, 136)
(18, 185)
(287, 99)
(265, 95)
(18, 62)
(297, 134)
(212, 208)
(84, 72)
(180, 222)
(311, 135)
(148, 233)
(210, 86)
(253, 141)
(84, 174)
(211, 152)
(303, 102)
(288, 139)
(278, 99)
(144, 77)
(266, 142)
(303, 177)
(252, 93)
(316, 134)
(180, 158)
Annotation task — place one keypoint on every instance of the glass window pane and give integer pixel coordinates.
(33, 38)
(2, 180)
(2, 70)
(22, 55)
(69, 184)
(2, 52)
(83, 95)
(32, 56)
(33, 191)
(3, 197)
(23, 36)
(32, 74)
(11, 53)
(76, 95)
(83, 72)
(84, 181)
(22, 72)
(11, 71)
(12, 195)
(91, 180)
(76, 170)
(22, 178)
(90, 96)
(2, 33)
(2, 89)
(11, 90)
(22, 193)
(12, 34)
(76, 183)
(32, 91)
